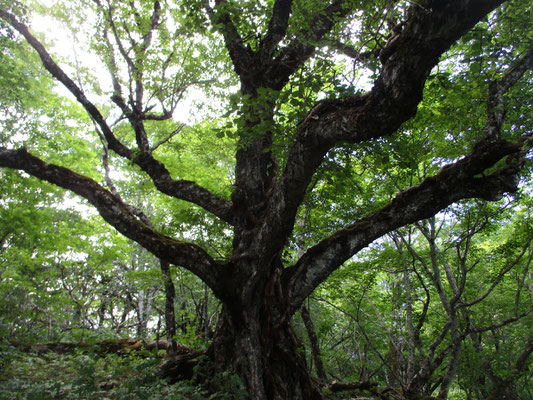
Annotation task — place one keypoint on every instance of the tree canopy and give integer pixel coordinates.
(288, 154)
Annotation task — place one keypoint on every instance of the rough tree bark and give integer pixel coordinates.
(259, 293)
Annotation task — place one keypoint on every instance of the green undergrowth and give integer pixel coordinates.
(87, 375)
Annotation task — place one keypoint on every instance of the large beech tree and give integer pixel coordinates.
(271, 45)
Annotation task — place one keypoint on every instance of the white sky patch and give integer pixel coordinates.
(65, 46)
(70, 53)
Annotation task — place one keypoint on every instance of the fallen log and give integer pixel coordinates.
(344, 386)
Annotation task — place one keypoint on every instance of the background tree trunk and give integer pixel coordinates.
(313, 341)
(170, 317)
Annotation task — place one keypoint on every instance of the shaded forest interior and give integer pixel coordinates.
(266, 199)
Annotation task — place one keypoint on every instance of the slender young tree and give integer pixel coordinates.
(270, 46)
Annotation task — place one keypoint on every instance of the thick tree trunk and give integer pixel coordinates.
(265, 356)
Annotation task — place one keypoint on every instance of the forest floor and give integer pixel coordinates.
(86, 374)
(107, 370)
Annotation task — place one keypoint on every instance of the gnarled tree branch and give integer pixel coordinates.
(453, 182)
(297, 52)
(378, 113)
(220, 18)
(277, 29)
(181, 189)
(119, 215)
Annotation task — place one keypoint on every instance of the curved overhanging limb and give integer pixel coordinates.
(394, 99)
(453, 183)
(181, 189)
(119, 215)
(460, 180)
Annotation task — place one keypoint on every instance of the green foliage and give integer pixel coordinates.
(367, 298)
(64, 275)
(115, 377)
